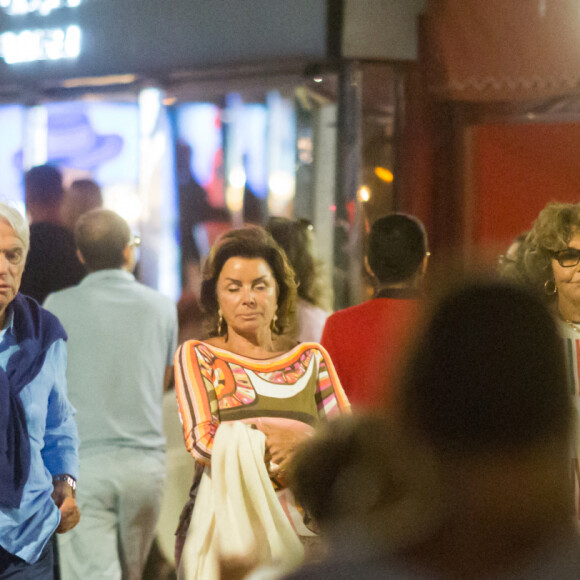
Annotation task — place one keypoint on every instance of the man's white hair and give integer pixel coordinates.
(17, 222)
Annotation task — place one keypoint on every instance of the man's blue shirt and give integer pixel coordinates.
(53, 448)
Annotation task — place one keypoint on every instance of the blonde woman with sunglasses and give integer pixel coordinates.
(552, 265)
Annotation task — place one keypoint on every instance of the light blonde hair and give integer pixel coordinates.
(553, 229)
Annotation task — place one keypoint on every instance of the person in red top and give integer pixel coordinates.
(365, 342)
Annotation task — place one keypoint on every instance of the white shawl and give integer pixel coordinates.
(237, 513)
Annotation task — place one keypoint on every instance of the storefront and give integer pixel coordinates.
(232, 100)
(496, 111)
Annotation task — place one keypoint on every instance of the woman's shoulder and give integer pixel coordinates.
(213, 342)
(195, 348)
(309, 346)
(216, 348)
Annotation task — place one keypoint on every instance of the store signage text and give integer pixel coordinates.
(42, 7)
(39, 43)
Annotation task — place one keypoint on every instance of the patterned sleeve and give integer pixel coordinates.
(331, 400)
(196, 397)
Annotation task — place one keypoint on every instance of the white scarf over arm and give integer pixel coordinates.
(237, 513)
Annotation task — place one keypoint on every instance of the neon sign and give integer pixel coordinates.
(42, 43)
(42, 7)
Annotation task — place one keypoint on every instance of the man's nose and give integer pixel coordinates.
(4, 263)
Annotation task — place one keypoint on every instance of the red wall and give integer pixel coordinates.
(517, 169)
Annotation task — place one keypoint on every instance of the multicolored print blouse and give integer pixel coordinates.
(215, 385)
(572, 350)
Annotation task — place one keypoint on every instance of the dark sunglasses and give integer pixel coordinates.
(568, 257)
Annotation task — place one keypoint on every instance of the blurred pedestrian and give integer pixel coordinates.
(482, 425)
(82, 196)
(486, 392)
(511, 264)
(296, 238)
(353, 452)
(195, 210)
(52, 263)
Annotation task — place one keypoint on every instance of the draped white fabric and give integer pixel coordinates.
(237, 513)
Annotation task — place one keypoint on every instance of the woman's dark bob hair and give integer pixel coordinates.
(249, 242)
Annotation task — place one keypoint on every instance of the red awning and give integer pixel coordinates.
(502, 50)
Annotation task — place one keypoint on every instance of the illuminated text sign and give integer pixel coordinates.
(41, 43)
(43, 7)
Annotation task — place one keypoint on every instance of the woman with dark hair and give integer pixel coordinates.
(249, 293)
(296, 239)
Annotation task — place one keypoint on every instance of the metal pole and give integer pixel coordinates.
(348, 170)
(399, 126)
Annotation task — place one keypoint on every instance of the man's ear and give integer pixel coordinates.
(368, 267)
(425, 263)
(80, 257)
(127, 254)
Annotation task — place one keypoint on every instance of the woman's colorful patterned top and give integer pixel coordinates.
(571, 337)
(215, 385)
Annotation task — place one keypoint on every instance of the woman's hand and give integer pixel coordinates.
(281, 444)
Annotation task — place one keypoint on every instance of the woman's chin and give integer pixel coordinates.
(251, 328)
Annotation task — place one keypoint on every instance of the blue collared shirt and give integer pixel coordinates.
(53, 450)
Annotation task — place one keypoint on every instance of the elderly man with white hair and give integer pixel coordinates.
(38, 434)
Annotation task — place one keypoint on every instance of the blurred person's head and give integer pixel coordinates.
(43, 193)
(360, 452)
(397, 250)
(104, 241)
(511, 264)
(552, 249)
(14, 244)
(489, 372)
(340, 457)
(82, 196)
(295, 237)
(485, 390)
(248, 246)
